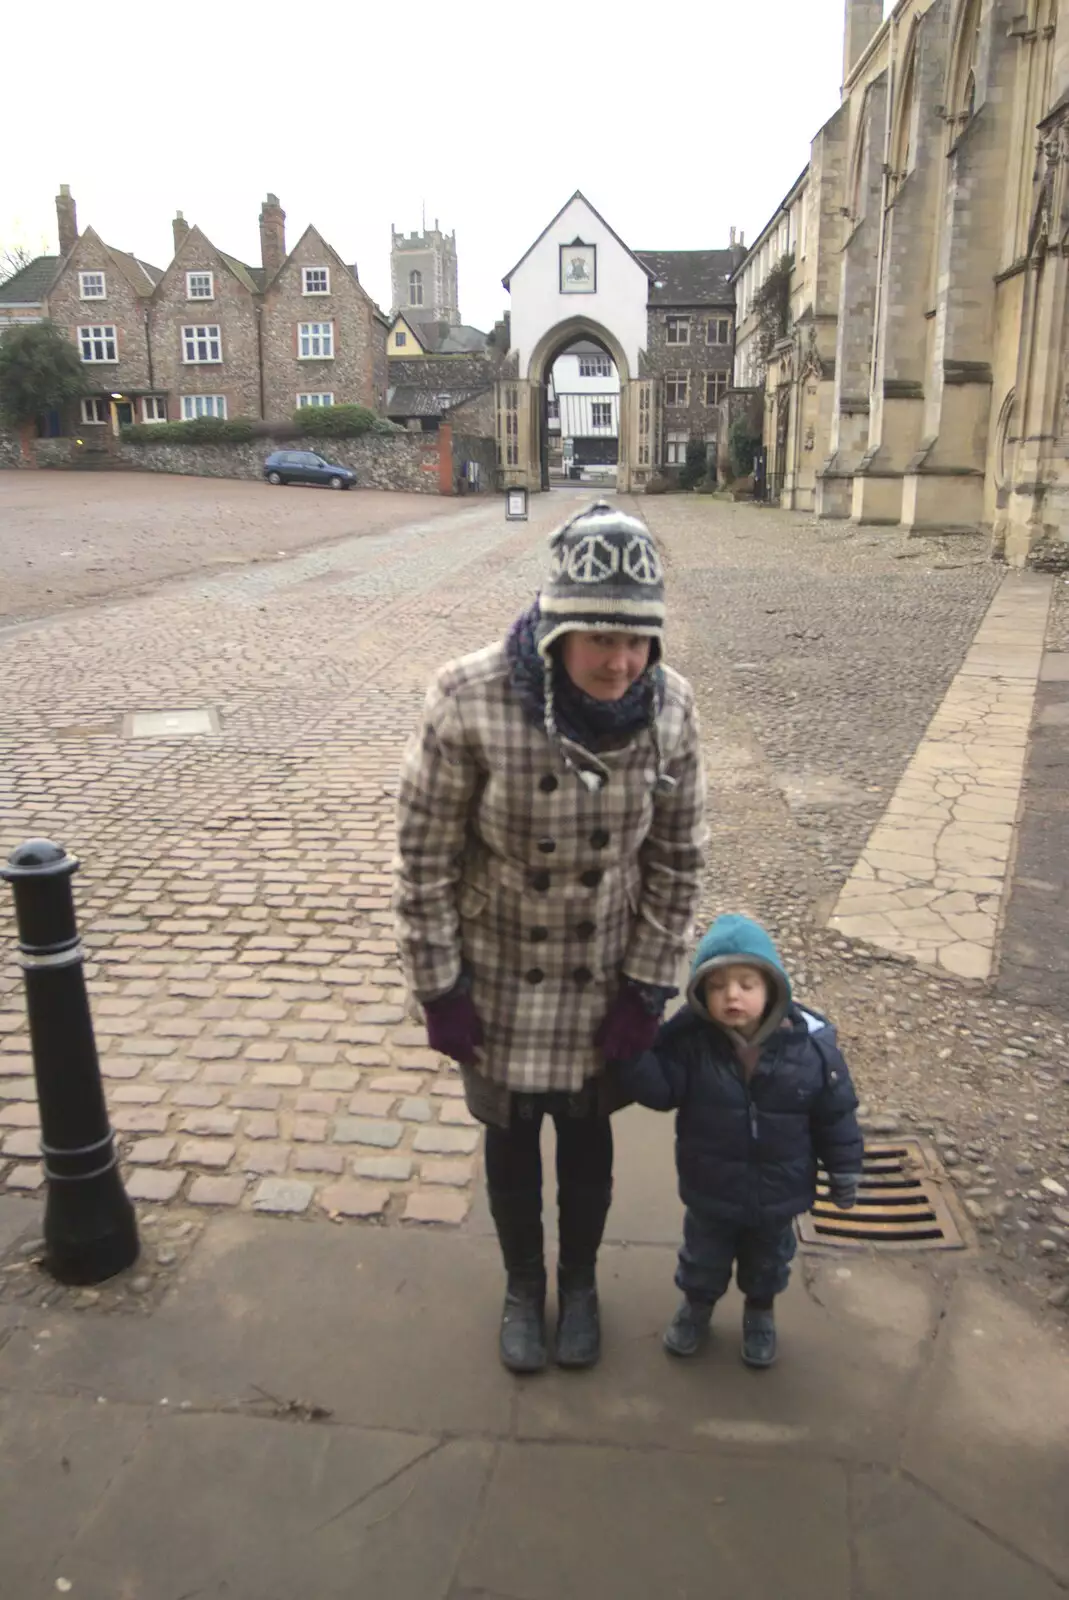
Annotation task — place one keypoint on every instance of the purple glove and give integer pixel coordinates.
(453, 1026)
(628, 1027)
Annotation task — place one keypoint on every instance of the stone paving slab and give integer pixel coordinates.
(930, 881)
(912, 1430)
(660, 1526)
(983, 1404)
(1034, 946)
(384, 1511)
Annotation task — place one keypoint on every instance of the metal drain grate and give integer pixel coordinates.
(899, 1206)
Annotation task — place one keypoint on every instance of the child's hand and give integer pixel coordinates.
(844, 1187)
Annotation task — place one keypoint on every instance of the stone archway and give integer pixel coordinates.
(552, 344)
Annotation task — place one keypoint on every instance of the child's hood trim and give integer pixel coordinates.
(738, 941)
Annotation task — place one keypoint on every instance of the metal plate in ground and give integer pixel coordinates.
(170, 724)
(901, 1206)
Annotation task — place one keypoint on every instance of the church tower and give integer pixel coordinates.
(423, 271)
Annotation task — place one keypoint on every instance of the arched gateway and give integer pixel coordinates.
(578, 281)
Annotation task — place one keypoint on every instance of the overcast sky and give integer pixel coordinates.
(676, 122)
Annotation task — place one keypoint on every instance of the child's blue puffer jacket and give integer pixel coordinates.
(747, 1148)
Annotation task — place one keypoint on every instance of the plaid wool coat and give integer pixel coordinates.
(544, 893)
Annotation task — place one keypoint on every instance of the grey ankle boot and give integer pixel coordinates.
(758, 1336)
(583, 1210)
(689, 1328)
(518, 1220)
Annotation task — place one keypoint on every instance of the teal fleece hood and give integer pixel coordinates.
(734, 941)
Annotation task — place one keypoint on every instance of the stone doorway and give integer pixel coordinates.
(580, 417)
(593, 453)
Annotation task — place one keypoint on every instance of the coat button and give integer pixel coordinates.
(591, 879)
(547, 846)
(538, 935)
(540, 881)
(582, 975)
(535, 975)
(585, 930)
(548, 783)
(600, 838)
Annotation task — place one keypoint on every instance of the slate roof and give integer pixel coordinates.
(409, 400)
(691, 277)
(30, 286)
(462, 340)
(142, 277)
(34, 281)
(251, 277)
(446, 339)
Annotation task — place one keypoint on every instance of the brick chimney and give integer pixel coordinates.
(864, 19)
(66, 219)
(180, 228)
(272, 236)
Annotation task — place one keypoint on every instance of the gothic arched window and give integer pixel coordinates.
(858, 190)
(415, 288)
(961, 97)
(903, 148)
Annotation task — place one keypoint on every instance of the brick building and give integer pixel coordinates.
(690, 341)
(211, 335)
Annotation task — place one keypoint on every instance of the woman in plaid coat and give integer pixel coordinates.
(550, 831)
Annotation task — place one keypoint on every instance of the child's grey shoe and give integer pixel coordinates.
(758, 1337)
(689, 1328)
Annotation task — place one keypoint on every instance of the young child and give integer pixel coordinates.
(761, 1091)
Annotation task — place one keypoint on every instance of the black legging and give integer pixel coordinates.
(584, 1143)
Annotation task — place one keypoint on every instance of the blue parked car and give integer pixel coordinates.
(304, 466)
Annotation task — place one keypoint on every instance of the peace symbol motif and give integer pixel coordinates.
(641, 561)
(592, 560)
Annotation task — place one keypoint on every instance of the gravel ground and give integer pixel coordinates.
(72, 537)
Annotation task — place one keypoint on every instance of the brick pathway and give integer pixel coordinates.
(236, 886)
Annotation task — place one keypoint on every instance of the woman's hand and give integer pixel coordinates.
(628, 1027)
(454, 1027)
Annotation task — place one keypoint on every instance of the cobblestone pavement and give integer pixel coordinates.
(72, 536)
(235, 892)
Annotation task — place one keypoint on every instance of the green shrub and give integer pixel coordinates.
(199, 430)
(693, 469)
(334, 422)
(310, 422)
(743, 444)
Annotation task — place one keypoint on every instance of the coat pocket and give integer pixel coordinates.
(471, 901)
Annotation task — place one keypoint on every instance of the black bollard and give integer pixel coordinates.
(90, 1227)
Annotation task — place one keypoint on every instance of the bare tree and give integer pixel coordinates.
(13, 260)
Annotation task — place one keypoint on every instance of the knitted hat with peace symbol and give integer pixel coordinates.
(606, 576)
